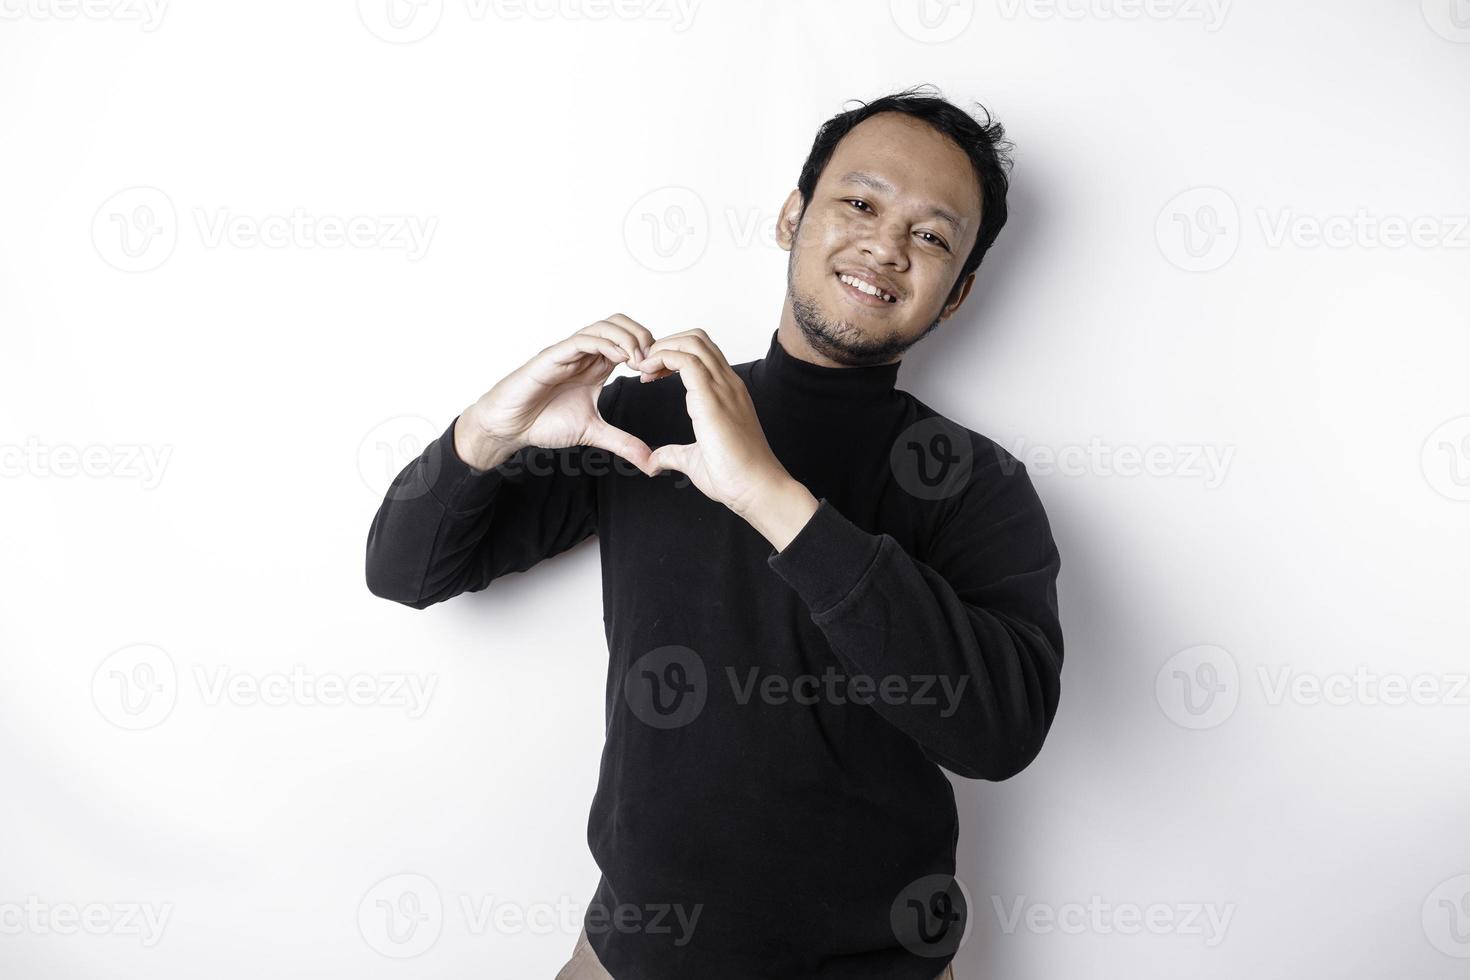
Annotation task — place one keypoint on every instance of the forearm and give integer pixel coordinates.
(423, 539)
(476, 448)
(979, 675)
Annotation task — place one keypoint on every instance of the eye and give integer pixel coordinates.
(855, 200)
(935, 240)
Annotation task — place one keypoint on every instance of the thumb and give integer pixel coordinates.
(672, 457)
(601, 435)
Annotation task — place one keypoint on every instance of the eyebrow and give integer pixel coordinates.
(879, 184)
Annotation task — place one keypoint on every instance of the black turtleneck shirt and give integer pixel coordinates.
(771, 801)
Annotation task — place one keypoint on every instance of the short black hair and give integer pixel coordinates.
(983, 141)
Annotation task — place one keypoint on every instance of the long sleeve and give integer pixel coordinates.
(445, 528)
(982, 613)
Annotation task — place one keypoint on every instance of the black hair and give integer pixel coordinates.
(983, 141)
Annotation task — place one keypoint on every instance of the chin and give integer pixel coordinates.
(845, 339)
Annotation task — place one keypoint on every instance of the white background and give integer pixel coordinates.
(1159, 285)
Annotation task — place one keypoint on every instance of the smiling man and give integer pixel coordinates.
(818, 592)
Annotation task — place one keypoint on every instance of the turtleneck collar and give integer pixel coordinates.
(793, 382)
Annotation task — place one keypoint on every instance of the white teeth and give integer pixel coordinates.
(868, 288)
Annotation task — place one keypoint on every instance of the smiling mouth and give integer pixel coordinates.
(866, 291)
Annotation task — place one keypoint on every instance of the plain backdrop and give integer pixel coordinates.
(253, 256)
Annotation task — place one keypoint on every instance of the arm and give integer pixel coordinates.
(979, 615)
(445, 527)
(979, 618)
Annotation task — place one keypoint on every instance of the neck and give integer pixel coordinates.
(795, 343)
(803, 385)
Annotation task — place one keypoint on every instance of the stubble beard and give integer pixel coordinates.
(841, 340)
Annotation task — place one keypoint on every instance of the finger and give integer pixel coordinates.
(619, 335)
(642, 333)
(697, 346)
(570, 350)
(701, 341)
(622, 335)
(672, 457)
(690, 366)
(602, 435)
(653, 375)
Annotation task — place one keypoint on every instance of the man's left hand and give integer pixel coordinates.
(729, 460)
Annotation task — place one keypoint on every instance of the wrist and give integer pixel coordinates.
(478, 449)
(780, 510)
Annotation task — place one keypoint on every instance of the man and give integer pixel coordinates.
(817, 590)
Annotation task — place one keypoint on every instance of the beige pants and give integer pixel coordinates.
(584, 965)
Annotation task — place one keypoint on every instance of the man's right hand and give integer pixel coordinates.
(551, 400)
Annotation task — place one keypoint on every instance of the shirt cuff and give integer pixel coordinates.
(827, 559)
(452, 481)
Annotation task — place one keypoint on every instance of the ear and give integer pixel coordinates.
(950, 307)
(789, 218)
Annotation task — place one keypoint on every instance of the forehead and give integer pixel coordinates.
(921, 164)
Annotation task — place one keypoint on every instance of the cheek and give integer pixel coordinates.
(824, 232)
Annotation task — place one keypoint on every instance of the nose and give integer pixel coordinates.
(886, 242)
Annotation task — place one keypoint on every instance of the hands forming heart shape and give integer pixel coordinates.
(551, 401)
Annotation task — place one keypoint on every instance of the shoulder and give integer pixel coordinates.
(976, 463)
